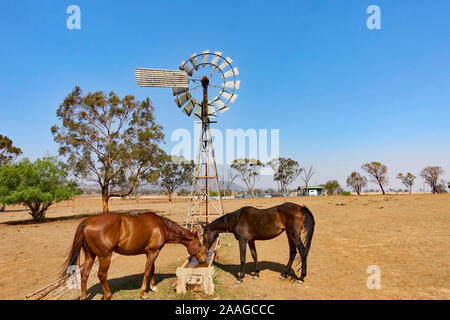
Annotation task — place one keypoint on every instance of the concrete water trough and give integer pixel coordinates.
(193, 276)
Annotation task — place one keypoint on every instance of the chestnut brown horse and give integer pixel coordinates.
(147, 233)
(249, 224)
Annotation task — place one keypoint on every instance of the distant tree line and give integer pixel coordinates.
(114, 142)
(378, 174)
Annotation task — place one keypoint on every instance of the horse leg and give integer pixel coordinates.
(104, 263)
(292, 253)
(153, 286)
(149, 265)
(251, 245)
(242, 248)
(88, 262)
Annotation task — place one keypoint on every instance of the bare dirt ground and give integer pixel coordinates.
(407, 236)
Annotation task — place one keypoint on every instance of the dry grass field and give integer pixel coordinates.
(407, 236)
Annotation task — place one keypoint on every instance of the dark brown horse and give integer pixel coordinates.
(147, 233)
(249, 224)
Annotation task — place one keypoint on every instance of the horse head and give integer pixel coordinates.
(209, 237)
(196, 248)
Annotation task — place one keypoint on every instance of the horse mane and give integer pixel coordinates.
(227, 220)
(174, 228)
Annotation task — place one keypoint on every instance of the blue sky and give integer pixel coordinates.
(340, 94)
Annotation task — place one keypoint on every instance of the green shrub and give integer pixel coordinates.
(37, 185)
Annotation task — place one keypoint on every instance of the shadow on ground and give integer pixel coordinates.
(135, 212)
(74, 217)
(132, 282)
(249, 268)
(48, 220)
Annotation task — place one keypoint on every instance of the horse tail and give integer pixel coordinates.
(73, 258)
(305, 234)
(307, 230)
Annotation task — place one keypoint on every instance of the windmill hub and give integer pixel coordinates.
(205, 81)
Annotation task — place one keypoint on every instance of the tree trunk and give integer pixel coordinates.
(105, 199)
(38, 214)
(434, 187)
(2, 209)
(170, 196)
(105, 205)
(382, 189)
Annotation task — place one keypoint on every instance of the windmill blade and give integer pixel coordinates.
(189, 107)
(232, 84)
(224, 109)
(161, 78)
(226, 63)
(177, 91)
(233, 98)
(226, 95)
(211, 110)
(181, 100)
(198, 111)
(229, 96)
(186, 67)
(233, 72)
(219, 103)
(217, 56)
(205, 57)
(194, 61)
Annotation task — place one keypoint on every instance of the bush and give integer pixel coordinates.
(37, 185)
(183, 192)
(332, 187)
(346, 193)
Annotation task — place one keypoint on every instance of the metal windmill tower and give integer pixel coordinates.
(211, 72)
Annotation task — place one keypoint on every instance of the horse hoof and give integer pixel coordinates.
(300, 281)
(154, 289)
(256, 276)
(144, 296)
(238, 281)
(283, 276)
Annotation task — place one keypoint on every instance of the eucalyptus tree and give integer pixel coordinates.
(249, 171)
(286, 171)
(174, 172)
(8, 152)
(377, 172)
(431, 175)
(109, 140)
(407, 180)
(356, 181)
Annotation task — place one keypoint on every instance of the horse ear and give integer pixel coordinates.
(195, 234)
(203, 225)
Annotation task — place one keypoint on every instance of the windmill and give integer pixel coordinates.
(212, 73)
